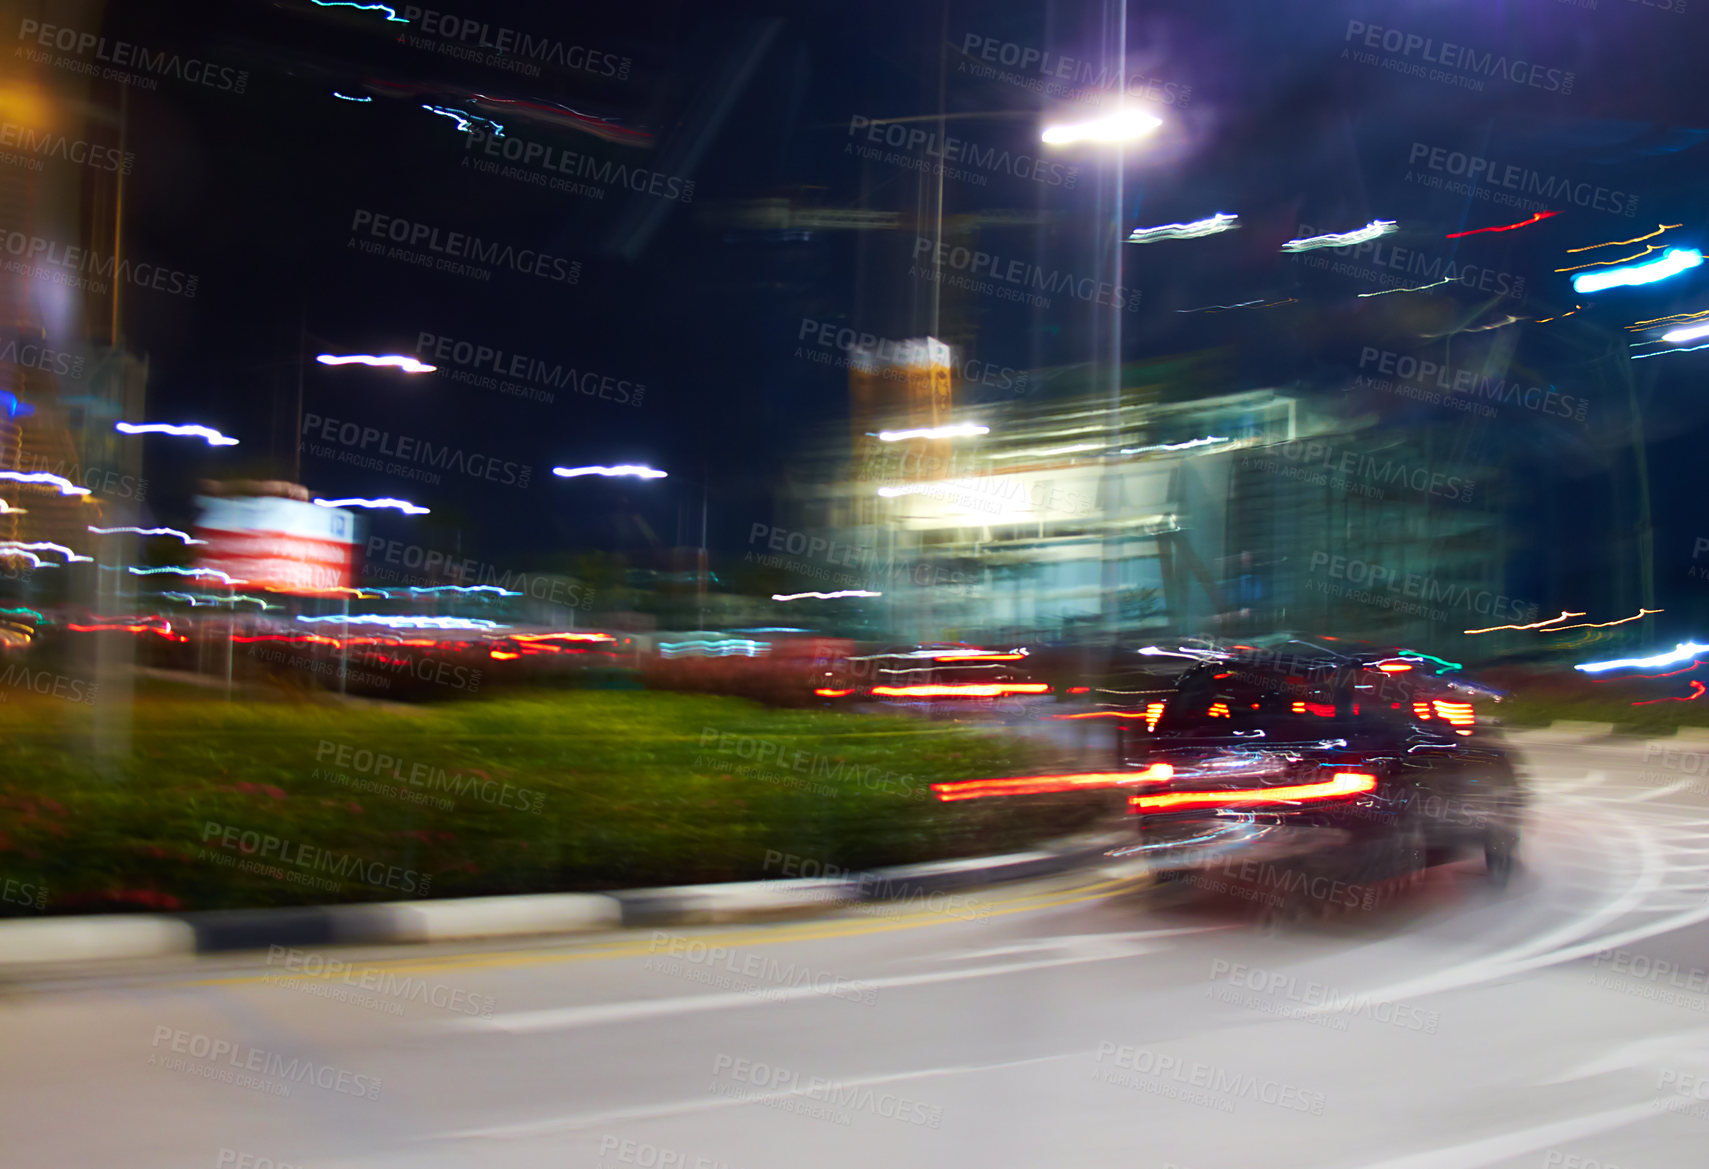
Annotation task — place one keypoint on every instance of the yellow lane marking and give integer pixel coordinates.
(804, 932)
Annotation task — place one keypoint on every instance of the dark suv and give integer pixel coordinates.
(1327, 775)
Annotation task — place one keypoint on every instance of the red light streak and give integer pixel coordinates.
(833, 693)
(1030, 785)
(1343, 783)
(1079, 690)
(1536, 217)
(1697, 692)
(961, 690)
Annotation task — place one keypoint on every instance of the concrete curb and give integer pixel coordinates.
(82, 939)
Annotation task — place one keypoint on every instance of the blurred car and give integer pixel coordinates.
(1298, 766)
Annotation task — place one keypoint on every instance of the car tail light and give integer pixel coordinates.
(1219, 710)
(1153, 712)
(824, 693)
(1339, 785)
(1457, 714)
(1031, 785)
(963, 690)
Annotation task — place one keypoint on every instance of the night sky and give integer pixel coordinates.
(1290, 115)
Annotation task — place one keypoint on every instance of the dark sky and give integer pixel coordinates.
(1289, 114)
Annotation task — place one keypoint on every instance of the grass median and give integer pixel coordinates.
(177, 803)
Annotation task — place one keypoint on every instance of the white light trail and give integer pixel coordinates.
(1684, 651)
(394, 622)
(66, 486)
(195, 572)
(1208, 440)
(402, 505)
(958, 430)
(1672, 263)
(1197, 229)
(19, 553)
(391, 360)
(46, 546)
(184, 536)
(1121, 126)
(825, 596)
(213, 437)
(631, 470)
(1371, 231)
(1691, 333)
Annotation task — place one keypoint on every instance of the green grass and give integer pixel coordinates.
(110, 807)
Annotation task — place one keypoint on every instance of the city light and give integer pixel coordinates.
(347, 97)
(1197, 229)
(195, 572)
(1371, 231)
(46, 546)
(629, 470)
(397, 504)
(392, 16)
(825, 596)
(407, 364)
(1671, 263)
(1121, 126)
(1641, 613)
(1681, 652)
(174, 532)
(66, 486)
(1660, 227)
(958, 430)
(213, 437)
(395, 622)
(1680, 336)
(463, 120)
(1208, 440)
(1536, 217)
(1534, 625)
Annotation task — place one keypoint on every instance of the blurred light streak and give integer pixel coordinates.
(833, 693)
(1446, 664)
(1076, 449)
(634, 470)
(1660, 227)
(24, 612)
(1679, 653)
(1605, 624)
(48, 545)
(959, 430)
(1029, 785)
(401, 505)
(1197, 229)
(391, 621)
(1695, 663)
(347, 97)
(407, 364)
(392, 16)
(825, 596)
(1536, 217)
(1342, 783)
(1665, 352)
(961, 690)
(195, 572)
(720, 648)
(1209, 440)
(66, 486)
(1121, 126)
(387, 593)
(184, 536)
(1672, 263)
(1419, 288)
(1691, 333)
(463, 120)
(1608, 263)
(20, 554)
(196, 600)
(563, 115)
(1669, 317)
(1218, 308)
(1372, 230)
(1697, 689)
(8, 509)
(1536, 625)
(164, 629)
(1568, 313)
(214, 437)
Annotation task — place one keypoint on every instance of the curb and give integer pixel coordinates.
(82, 939)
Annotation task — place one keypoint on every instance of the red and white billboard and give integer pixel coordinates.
(275, 543)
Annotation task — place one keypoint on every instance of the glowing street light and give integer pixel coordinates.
(622, 470)
(406, 364)
(1121, 126)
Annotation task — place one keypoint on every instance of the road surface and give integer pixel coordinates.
(1085, 1020)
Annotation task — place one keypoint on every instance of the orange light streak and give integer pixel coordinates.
(1343, 783)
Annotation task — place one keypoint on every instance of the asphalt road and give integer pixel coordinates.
(1088, 1020)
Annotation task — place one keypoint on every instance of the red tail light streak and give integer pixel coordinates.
(1343, 783)
(1031, 785)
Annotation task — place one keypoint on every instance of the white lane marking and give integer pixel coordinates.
(1508, 1145)
(560, 1124)
(596, 1014)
